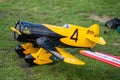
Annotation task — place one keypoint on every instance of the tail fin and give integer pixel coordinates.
(94, 28)
(93, 34)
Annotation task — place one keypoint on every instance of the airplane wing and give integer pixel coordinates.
(68, 58)
(50, 46)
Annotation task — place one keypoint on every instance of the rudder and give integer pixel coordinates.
(94, 28)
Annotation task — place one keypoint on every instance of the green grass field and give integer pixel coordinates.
(58, 12)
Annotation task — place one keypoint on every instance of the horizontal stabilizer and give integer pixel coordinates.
(98, 40)
(109, 59)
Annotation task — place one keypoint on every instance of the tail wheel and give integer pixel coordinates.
(29, 59)
(19, 49)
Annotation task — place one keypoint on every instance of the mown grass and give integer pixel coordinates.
(57, 12)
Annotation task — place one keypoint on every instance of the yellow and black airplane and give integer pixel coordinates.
(43, 42)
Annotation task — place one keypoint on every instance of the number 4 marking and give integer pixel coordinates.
(75, 35)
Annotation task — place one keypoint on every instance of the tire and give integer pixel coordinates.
(19, 49)
(29, 59)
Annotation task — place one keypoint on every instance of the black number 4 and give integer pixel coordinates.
(75, 35)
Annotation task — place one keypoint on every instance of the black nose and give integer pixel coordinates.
(29, 59)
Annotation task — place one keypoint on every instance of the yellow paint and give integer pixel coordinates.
(68, 58)
(26, 31)
(15, 30)
(29, 48)
(42, 57)
(78, 36)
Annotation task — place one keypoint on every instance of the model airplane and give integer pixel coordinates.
(43, 42)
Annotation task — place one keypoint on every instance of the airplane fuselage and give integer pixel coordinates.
(71, 35)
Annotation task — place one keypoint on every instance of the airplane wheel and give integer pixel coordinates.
(19, 51)
(29, 59)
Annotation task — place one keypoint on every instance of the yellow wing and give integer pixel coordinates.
(68, 58)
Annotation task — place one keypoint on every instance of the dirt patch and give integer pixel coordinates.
(82, 13)
(116, 44)
(2, 0)
(101, 19)
(26, 68)
(3, 14)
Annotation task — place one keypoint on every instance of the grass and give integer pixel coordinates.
(57, 12)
